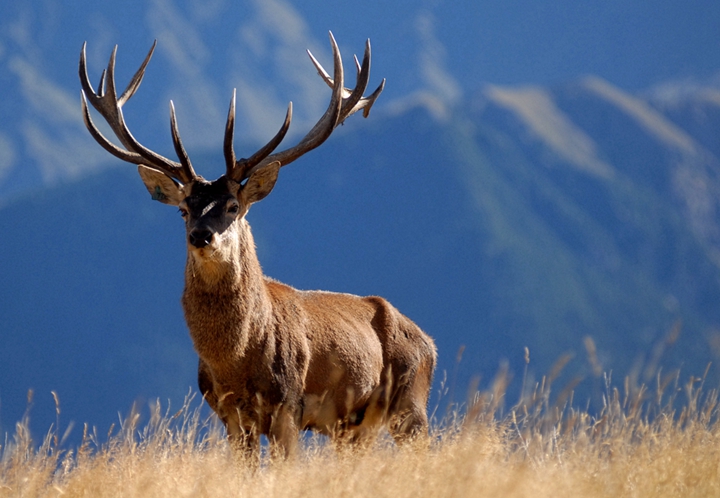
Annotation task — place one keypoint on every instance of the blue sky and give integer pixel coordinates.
(632, 43)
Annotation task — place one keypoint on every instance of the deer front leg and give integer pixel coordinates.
(245, 443)
(283, 434)
(207, 385)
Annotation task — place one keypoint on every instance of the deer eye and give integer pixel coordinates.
(183, 212)
(233, 209)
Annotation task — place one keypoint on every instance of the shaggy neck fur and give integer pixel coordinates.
(225, 299)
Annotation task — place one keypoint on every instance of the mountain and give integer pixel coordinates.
(609, 217)
(535, 217)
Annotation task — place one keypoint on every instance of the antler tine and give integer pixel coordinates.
(366, 103)
(107, 103)
(363, 78)
(343, 103)
(101, 85)
(137, 77)
(87, 93)
(325, 125)
(353, 100)
(228, 148)
(244, 166)
(182, 154)
(106, 144)
(238, 169)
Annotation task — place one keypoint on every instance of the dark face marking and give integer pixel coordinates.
(211, 208)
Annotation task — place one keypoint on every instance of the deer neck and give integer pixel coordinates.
(226, 302)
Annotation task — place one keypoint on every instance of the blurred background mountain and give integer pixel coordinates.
(532, 177)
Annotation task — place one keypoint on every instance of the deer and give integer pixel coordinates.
(274, 360)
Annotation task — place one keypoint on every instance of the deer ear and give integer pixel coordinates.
(260, 183)
(161, 187)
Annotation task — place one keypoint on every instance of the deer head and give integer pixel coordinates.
(211, 208)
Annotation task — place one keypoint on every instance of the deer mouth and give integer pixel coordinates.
(215, 252)
(202, 253)
(202, 243)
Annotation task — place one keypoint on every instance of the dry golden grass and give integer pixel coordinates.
(637, 445)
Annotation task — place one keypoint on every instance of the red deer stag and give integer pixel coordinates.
(275, 360)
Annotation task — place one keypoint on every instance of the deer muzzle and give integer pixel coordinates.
(200, 237)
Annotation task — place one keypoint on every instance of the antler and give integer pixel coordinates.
(107, 103)
(343, 103)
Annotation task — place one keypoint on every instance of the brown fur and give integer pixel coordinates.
(275, 360)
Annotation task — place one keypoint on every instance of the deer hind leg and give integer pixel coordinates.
(408, 408)
(408, 424)
(404, 419)
(365, 423)
(397, 403)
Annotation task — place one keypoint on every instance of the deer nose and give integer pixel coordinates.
(200, 237)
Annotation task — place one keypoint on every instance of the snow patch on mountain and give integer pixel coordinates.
(653, 122)
(439, 92)
(535, 108)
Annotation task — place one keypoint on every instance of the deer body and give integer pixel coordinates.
(274, 360)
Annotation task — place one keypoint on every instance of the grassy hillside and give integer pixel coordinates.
(662, 444)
